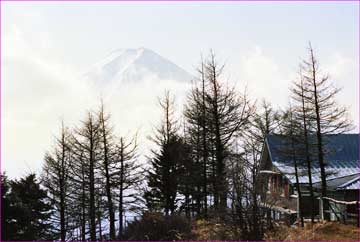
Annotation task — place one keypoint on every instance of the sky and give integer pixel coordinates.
(47, 46)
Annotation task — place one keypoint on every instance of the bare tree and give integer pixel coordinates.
(79, 191)
(291, 131)
(248, 183)
(302, 111)
(86, 142)
(204, 136)
(129, 177)
(107, 144)
(55, 177)
(228, 115)
(330, 118)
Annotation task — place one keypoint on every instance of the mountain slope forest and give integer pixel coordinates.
(202, 175)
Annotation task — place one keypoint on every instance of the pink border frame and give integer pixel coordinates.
(180, 1)
(305, 1)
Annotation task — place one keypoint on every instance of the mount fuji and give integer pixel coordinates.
(130, 82)
(134, 66)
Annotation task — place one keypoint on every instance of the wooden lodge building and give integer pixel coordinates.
(280, 197)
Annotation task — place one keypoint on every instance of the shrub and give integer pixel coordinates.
(214, 229)
(156, 226)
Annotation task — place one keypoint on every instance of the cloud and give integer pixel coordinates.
(38, 92)
(39, 89)
(265, 78)
(343, 72)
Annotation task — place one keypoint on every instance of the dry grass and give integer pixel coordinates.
(322, 231)
(205, 230)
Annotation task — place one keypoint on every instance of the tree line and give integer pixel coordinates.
(205, 164)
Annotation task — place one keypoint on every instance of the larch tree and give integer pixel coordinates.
(248, 183)
(128, 178)
(55, 178)
(86, 143)
(228, 114)
(328, 115)
(79, 190)
(107, 164)
(292, 133)
(302, 111)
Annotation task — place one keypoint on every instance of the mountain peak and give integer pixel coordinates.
(134, 65)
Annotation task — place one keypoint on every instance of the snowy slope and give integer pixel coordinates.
(134, 66)
(130, 81)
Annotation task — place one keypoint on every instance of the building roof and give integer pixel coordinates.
(341, 158)
(351, 184)
(340, 183)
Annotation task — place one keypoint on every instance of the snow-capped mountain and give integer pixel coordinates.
(130, 82)
(134, 66)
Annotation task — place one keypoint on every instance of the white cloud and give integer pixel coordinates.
(263, 75)
(39, 87)
(266, 78)
(39, 91)
(343, 71)
(36, 92)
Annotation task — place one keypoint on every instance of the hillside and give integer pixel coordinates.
(323, 231)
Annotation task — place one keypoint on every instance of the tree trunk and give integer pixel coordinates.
(299, 194)
(92, 194)
(121, 214)
(121, 190)
(62, 203)
(204, 142)
(319, 141)
(62, 212)
(83, 207)
(99, 221)
(307, 151)
(107, 177)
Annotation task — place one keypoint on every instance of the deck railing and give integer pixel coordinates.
(338, 210)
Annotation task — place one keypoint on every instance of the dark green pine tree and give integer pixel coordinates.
(163, 176)
(163, 179)
(6, 210)
(189, 177)
(30, 212)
